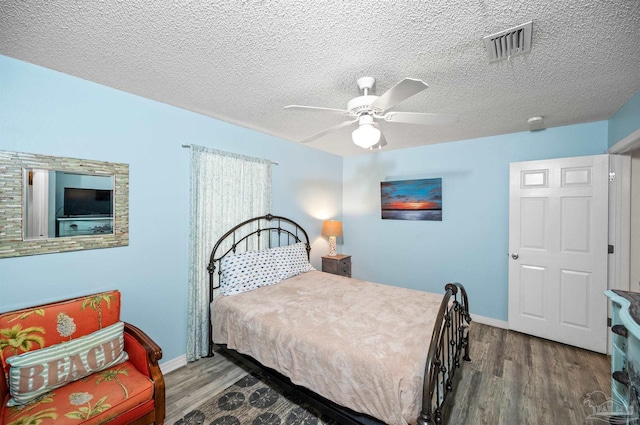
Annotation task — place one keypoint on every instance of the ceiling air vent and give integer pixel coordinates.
(507, 43)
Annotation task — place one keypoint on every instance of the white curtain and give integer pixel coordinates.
(226, 189)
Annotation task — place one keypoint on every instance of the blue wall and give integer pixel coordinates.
(470, 244)
(625, 121)
(46, 112)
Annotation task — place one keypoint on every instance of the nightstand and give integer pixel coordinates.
(337, 264)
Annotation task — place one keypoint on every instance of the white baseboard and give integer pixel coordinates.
(173, 364)
(490, 321)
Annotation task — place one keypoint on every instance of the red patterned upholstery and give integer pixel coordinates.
(131, 392)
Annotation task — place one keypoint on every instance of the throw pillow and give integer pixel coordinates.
(37, 372)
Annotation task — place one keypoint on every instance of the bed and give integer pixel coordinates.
(361, 352)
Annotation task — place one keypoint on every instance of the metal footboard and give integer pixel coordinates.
(450, 337)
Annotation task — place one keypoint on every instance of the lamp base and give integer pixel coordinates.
(332, 246)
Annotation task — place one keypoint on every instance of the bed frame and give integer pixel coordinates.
(449, 342)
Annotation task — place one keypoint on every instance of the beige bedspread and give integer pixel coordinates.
(360, 344)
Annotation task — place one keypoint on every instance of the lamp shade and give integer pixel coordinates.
(332, 228)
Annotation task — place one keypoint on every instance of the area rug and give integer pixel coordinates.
(251, 401)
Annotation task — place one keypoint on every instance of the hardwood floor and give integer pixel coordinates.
(189, 386)
(513, 379)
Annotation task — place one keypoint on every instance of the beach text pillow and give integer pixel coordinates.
(37, 372)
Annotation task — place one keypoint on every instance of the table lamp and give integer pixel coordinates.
(332, 228)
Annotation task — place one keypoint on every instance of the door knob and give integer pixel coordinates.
(514, 256)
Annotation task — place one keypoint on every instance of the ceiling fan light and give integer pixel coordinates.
(366, 136)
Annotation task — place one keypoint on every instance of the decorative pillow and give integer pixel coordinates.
(37, 372)
(291, 260)
(246, 271)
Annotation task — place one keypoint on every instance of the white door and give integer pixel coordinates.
(558, 234)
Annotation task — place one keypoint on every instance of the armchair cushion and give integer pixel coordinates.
(36, 372)
(94, 399)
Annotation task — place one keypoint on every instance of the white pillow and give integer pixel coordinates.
(246, 271)
(291, 260)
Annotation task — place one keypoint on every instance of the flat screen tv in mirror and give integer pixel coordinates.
(87, 202)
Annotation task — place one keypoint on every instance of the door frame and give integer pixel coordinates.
(620, 211)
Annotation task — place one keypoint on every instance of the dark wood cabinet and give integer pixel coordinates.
(337, 264)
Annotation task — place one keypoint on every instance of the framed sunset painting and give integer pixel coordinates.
(412, 199)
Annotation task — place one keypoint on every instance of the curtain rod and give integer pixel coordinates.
(189, 146)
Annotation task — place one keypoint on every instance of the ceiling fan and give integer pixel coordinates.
(367, 108)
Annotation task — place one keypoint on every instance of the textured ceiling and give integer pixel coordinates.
(243, 61)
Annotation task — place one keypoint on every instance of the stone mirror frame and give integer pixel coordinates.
(12, 204)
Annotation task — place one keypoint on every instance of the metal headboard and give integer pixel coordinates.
(265, 232)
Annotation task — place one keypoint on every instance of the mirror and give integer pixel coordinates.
(54, 204)
(62, 204)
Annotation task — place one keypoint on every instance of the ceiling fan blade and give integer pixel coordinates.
(401, 91)
(316, 108)
(422, 118)
(328, 130)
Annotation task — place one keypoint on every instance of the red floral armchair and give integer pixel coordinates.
(74, 362)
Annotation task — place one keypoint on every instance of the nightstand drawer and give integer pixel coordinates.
(344, 267)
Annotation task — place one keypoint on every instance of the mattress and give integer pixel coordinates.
(359, 344)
